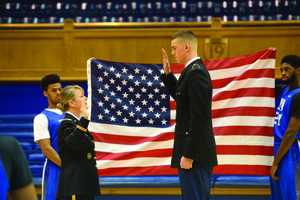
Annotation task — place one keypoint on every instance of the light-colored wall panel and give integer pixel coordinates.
(29, 54)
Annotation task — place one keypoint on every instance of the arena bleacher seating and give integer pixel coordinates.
(85, 11)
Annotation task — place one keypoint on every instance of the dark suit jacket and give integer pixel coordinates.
(194, 137)
(76, 148)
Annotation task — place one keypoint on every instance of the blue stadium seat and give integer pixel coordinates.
(241, 181)
(84, 10)
(111, 9)
(36, 159)
(11, 127)
(14, 10)
(19, 118)
(60, 9)
(37, 10)
(20, 136)
(36, 171)
(140, 181)
(27, 148)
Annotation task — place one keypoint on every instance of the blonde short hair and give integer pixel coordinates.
(67, 94)
(185, 35)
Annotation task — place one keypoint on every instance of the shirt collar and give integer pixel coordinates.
(192, 60)
(72, 114)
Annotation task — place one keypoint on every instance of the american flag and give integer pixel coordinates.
(133, 115)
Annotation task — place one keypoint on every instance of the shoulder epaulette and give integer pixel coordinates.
(66, 119)
(196, 66)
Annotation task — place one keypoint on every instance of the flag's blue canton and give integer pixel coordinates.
(129, 94)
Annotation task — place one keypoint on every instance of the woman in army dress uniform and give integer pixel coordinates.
(78, 178)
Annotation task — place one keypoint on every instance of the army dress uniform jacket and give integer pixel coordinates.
(194, 137)
(76, 148)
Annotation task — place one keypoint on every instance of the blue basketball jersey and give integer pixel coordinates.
(54, 120)
(4, 185)
(51, 170)
(288, 186)
(282, 117)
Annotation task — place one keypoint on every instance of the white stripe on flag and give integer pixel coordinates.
(121, 148)
(244, 101)
(247, 83)
(243, 121)
(244, 140)
(244, 160)
(236, 71)
(135, 162)
(127, 130)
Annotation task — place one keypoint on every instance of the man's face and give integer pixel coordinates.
(53, 92)
(178, 50)
(288, 73)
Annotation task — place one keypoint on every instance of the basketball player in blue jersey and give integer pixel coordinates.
(285, 170)
(45, 133)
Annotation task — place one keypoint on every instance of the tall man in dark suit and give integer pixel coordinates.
(194, 150)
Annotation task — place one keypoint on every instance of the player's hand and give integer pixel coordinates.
(273, 170)
(166, 63)
(186, 163)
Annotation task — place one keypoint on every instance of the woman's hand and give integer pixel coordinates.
(84, 108)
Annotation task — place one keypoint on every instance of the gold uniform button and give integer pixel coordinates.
(95, 158)
(89, 156)
(186, 133)
(96, 166)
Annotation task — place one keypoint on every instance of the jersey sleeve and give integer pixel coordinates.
(295, 106)
(40, 127)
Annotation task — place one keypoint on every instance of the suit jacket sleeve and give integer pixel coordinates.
(170, 83)
(199, 89)
(73, 134)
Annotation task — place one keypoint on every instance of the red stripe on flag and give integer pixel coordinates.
(244, 130)
(254, 73)
(240, 61)
(245, 92)
(243, 111)
(138, 171)
(172, 105)
(159, 153)
(245, 150)
(242, 169)
(131, 140)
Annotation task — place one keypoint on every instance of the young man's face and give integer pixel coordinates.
(178, 50)
(53, 92)
(288, 73)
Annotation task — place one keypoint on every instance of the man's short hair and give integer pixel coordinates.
(293, 60)
(186, 35)
(49, 79)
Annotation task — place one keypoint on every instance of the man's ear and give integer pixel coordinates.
(45, 93)
(298, 71)
(186, 46)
